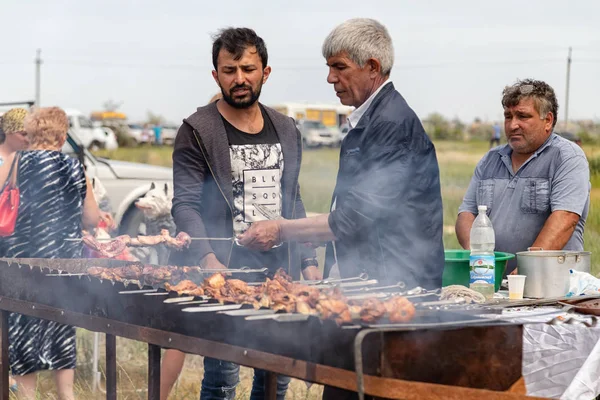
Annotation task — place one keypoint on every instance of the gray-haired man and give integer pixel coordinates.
(536, 187)
(387, 205)
(386, 216)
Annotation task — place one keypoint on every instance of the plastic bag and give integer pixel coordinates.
(582, 283)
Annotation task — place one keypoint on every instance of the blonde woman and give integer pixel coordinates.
(13, 139)
(54, 193)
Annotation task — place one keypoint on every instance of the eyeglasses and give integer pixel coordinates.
(526, 89)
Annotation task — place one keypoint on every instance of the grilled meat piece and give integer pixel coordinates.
(186, 287)
(262, 301)
(117, 245)
(107, 249)
(283, 301)
(306, 294)
(336, 309)
(129, 272)
(159, 275)
(303, 307)
(399, 309)
(239, 287)
(371, 310)
(215, 281)
(95, 271)
(181, 241)
(284, 279)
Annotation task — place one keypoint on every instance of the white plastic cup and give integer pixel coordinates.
(516, 285)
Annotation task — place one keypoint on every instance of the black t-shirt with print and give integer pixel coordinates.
(256, 170)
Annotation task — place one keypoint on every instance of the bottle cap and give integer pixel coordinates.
(482, 208)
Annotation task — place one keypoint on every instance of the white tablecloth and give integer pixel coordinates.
(559, 361)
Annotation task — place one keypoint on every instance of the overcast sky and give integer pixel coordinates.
(453, 57)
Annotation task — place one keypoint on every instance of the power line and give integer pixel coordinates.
(97, 64)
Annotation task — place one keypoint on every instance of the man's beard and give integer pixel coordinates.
(242, 103)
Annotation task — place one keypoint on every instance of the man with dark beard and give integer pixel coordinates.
(229, 156)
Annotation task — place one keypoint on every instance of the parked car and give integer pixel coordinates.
(81, 126)
(111, 142)
(168, 133)
(315, 133)
(125, 182)
(139, 133)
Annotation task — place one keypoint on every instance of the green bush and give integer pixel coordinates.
(587, 138)
(594, 166)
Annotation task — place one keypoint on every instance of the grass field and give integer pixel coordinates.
(319, 168)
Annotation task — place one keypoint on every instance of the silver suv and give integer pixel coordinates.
(315, 133)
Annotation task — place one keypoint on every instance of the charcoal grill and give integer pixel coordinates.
(466, 360)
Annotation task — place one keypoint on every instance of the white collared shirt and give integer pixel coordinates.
(357, 114)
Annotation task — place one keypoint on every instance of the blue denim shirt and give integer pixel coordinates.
(556, 177)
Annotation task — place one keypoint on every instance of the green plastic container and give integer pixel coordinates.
(456, 267)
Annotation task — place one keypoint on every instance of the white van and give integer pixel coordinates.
(83, 129)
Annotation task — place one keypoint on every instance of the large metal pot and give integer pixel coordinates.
(583, 261)
(547, 271)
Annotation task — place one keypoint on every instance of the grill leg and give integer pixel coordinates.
(153, 372)
(4, 367)
(270, 386)
(111, 367)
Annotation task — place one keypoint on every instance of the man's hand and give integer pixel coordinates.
(312, 273)
(210, 261)
(262, 235)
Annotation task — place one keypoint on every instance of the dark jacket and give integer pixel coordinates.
(388, 214)
(203, 198)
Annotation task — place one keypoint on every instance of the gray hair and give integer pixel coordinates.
(362, 39)
(542, 94)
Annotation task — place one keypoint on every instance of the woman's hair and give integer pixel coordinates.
(12, 122)
(47, 128)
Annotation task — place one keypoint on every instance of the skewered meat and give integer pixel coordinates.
(306, 294)
(118, 245)
(95, 271)
(186, 287)
(279, 294)
(283, 278)
(182, 240)
(239, 287)
(282, 301)
(399, 309)
(304, 308)
(158, 275)
(371, 310)
(215, 281)
(128, 272)
(107, 249)
(330, 308)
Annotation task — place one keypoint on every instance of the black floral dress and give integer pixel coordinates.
(53, 188)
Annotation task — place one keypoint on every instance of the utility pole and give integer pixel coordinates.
(38, 65)
(567, 94)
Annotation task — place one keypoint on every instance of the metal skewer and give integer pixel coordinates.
(362, 277)
(400, 285)
(111, 239)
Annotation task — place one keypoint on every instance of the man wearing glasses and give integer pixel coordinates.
(536, 187)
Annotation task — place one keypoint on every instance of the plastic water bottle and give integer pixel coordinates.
(482, 260)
